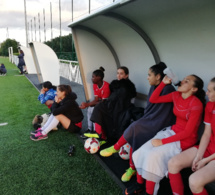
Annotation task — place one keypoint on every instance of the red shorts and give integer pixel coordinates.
(207, 152)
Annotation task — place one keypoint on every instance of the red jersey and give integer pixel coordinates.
(210, 120)
(103, 92)
(188, 114)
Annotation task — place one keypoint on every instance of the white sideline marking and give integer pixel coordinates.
(3, 124)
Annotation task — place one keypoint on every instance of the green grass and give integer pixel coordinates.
(28, 167)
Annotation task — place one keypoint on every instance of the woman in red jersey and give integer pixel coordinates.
(151, 159)
(201, 158)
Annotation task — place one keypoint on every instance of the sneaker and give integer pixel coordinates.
(108, 151)
(102, 142)
(134, 189)
(128, 174)
(38, 136)
(35, 132)
(95, 135)
(87, 131)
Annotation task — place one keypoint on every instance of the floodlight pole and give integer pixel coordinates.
(60, 26)
(26, 30)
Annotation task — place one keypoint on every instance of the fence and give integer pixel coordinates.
(68, 69)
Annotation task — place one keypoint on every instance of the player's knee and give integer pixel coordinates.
(174, 165)
(195, 183)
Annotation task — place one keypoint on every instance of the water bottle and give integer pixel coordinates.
(168, 71)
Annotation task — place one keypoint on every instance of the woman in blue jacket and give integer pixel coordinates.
(3, 70)
(21, 61)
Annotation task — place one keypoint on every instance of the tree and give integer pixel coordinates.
(68, 49)
(6, 44)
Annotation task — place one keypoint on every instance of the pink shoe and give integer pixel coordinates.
(35, 132)
(38, 136)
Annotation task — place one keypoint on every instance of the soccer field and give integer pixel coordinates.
(42, 167)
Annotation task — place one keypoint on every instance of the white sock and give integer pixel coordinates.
(51, 125)
(48, 121)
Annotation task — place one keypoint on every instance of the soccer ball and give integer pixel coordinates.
(125, 151)
(91, 145)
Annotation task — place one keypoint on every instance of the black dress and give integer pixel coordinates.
(111, 113)
(155, 118)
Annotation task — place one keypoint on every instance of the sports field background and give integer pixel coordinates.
(28, 167)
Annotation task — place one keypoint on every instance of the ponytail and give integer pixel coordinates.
(158, 69)
(99, 72)
(200, 94)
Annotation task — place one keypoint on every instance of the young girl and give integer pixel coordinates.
(201, 158)
(152, 158)
(47, 94)
(101, 91)
(64, 110)
(156, 117)
(109, 115)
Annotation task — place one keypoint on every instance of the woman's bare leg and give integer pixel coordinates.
(182, 160)
(201, 177)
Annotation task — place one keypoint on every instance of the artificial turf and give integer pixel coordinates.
(43, 167)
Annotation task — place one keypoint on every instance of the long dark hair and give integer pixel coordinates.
(199, 84)
(125, 69)
(65, 88)
(158, 69)
(213, 80)
(49, 85)
(99, 72)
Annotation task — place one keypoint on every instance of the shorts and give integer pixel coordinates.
(73, 128)
(206, 154)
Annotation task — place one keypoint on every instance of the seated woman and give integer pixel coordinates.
(101, 91)
(47, 94)
(151, 159)
(156, 117)
(64, 110)
(109, 115)
(201, 158)
(3, 70)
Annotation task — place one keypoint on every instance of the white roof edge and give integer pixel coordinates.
(116, 3)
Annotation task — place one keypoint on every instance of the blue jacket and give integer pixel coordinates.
(49, 95)
(3, 69)
(21, 59)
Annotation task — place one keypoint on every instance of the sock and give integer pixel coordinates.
(48, 121)
(131, 163)
(100, 131)
(150, 185)
(120, 143)
(176, 183)
(140, 180)
(51, 125)
(89, 122)
(204, 192)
